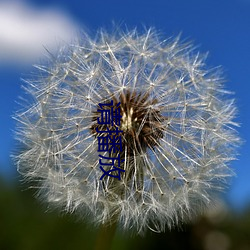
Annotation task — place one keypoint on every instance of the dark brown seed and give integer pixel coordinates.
(141, 124)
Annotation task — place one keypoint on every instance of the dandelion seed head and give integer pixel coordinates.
(177, 121)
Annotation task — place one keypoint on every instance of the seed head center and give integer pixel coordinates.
(127, 121)
(141, 125)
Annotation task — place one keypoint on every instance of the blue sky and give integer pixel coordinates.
(221, 27)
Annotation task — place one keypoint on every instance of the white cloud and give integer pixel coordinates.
(25, 31)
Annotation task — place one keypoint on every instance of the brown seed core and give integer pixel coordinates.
(141, 122)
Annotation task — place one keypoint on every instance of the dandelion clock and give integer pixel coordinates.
(127, 128)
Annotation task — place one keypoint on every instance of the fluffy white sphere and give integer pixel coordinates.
(178, 130)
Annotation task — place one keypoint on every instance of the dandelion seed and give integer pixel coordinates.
(177, 121)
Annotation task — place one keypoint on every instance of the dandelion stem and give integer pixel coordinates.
(105, 236)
